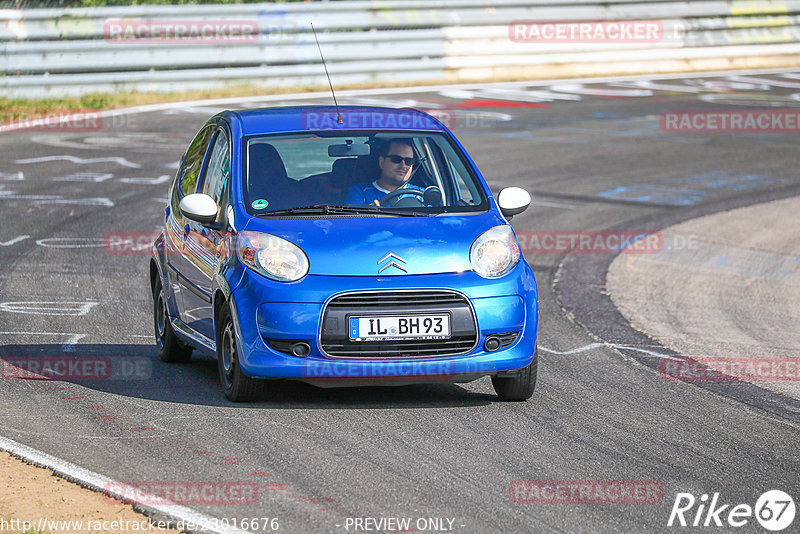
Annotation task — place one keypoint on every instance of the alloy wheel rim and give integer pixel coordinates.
(161, 318)
(228, 351)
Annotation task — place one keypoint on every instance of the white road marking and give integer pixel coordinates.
(95, 177)
(71, 242)
(765, 81)
(591, 346)
(574, 351)
(193, 109)
(735, 99)
(67, 346)
(105, 485)
(98, 201)
(15, 240)
(68, 308)
(81, 161)
(57, 199)
(15, 196)
(509, 94)
(581, 89)
(149, 181)
(644, 351)
(12, 177)
(390, 103)
(553, 204)
(670, 88)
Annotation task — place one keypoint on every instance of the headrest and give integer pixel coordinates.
(264, 163)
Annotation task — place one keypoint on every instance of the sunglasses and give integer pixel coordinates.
(394, 158)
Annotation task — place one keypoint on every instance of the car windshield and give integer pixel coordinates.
(387, 173)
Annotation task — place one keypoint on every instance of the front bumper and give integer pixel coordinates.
(268, 311)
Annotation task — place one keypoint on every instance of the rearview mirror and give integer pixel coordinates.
(513, 201)
(349, 149)
(199, 207)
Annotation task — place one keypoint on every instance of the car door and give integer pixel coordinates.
(177, 229)
(204, 245)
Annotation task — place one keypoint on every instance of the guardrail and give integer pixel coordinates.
(56, 52)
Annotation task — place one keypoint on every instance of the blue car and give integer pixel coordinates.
(358, 246)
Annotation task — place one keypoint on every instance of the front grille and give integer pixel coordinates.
(335, 342)
(397, 298)
(401, 349)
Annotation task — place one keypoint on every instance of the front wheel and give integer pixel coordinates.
(520, 387)
(237, 386)
(170, 348)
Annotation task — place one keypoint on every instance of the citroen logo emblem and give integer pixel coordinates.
(396, 261)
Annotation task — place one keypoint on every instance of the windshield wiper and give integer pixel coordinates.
(327, 209)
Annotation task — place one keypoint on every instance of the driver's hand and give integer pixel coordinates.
(376, 203)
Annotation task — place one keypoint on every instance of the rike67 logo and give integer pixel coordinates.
(774, 510)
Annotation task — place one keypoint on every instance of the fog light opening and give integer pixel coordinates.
(301, 349)
(491, 344)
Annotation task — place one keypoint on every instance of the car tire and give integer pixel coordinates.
(237, 386)
(520, 387)
(170, 348)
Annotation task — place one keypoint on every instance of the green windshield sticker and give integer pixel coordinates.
(260, 204)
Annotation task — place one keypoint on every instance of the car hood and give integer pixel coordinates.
(395, 246)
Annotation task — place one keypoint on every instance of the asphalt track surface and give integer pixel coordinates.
(599, 413)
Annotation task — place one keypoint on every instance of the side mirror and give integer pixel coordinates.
(513, 201)
(199, 207)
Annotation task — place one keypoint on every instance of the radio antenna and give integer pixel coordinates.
(338, 114)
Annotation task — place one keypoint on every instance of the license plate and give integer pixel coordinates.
(399, 327)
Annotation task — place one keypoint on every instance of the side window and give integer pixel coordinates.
(465, 188)
(467, 194)
(194, 161)
(186, 182)
(219, 168)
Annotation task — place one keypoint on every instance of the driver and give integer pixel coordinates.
(396, 164)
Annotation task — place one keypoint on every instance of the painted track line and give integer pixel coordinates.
(224, 101)
(97, 482)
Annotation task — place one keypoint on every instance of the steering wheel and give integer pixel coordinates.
(393, 199)
(431, 196)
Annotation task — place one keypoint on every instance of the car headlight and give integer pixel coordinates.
(495, 252)
(271, 256)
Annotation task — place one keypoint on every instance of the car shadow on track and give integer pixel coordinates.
(136, 371)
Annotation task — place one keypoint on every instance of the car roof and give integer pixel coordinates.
(315, 118)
